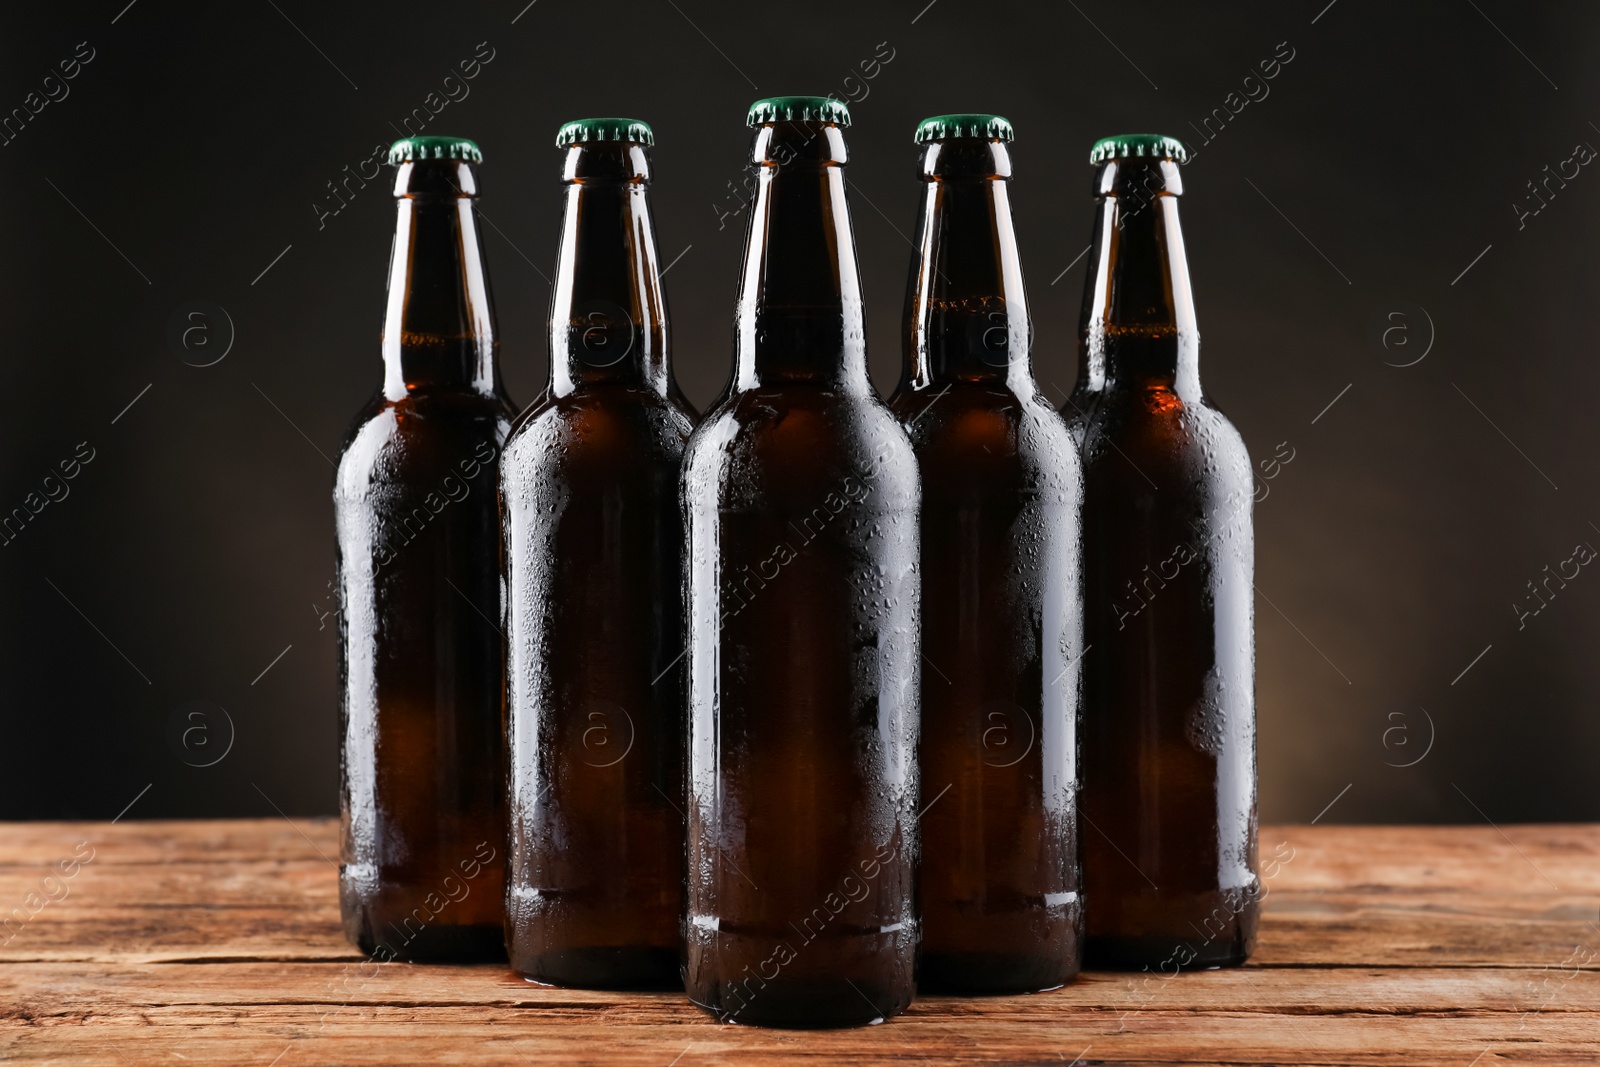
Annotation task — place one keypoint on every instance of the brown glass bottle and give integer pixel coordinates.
(801, 493)
(422, 660)
(594, 562)
(1168, 796)
(1001, 604)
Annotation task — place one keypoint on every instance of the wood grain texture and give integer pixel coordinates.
(219, 943)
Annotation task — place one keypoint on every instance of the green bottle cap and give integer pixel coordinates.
(798, 109)
(944, 127)
(1138, 146)
(584, 131)
(411, 149)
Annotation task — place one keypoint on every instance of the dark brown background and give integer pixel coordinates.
(198, 543)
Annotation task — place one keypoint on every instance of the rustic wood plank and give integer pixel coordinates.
(66, 990)
(1326, 857)
(36, 844)
(163, 916)
(151, 912)
(423, 1034)
(1530, 858)
(219, 943)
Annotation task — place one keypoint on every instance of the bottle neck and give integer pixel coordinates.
(608, 321)
(439, 328)
(966, 311)
(1138, 326)
(800, 311)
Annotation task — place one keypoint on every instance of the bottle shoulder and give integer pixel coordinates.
(435, 411)
(795, 443)
(977, 437)
(420, 437)
(618, 428)
(1155, 429)
(789, 417)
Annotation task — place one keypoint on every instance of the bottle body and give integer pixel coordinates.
(802, 521)
(422, 660)
(593, 542)
(1169, 719)
(1168, 756)
(801, 497)
(1001, 599)
(422, 786)
(594, 553)
(999, 881)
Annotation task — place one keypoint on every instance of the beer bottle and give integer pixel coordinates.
(594, 562)
(422, 660)
(1001, 605)
(801, 492)
(1169, 773)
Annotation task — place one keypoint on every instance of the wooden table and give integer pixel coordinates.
(219, 943)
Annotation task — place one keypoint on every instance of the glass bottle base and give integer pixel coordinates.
(991, 973)
(803, 1005)
(1168, 955)
(435, 943)
(639, 967)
